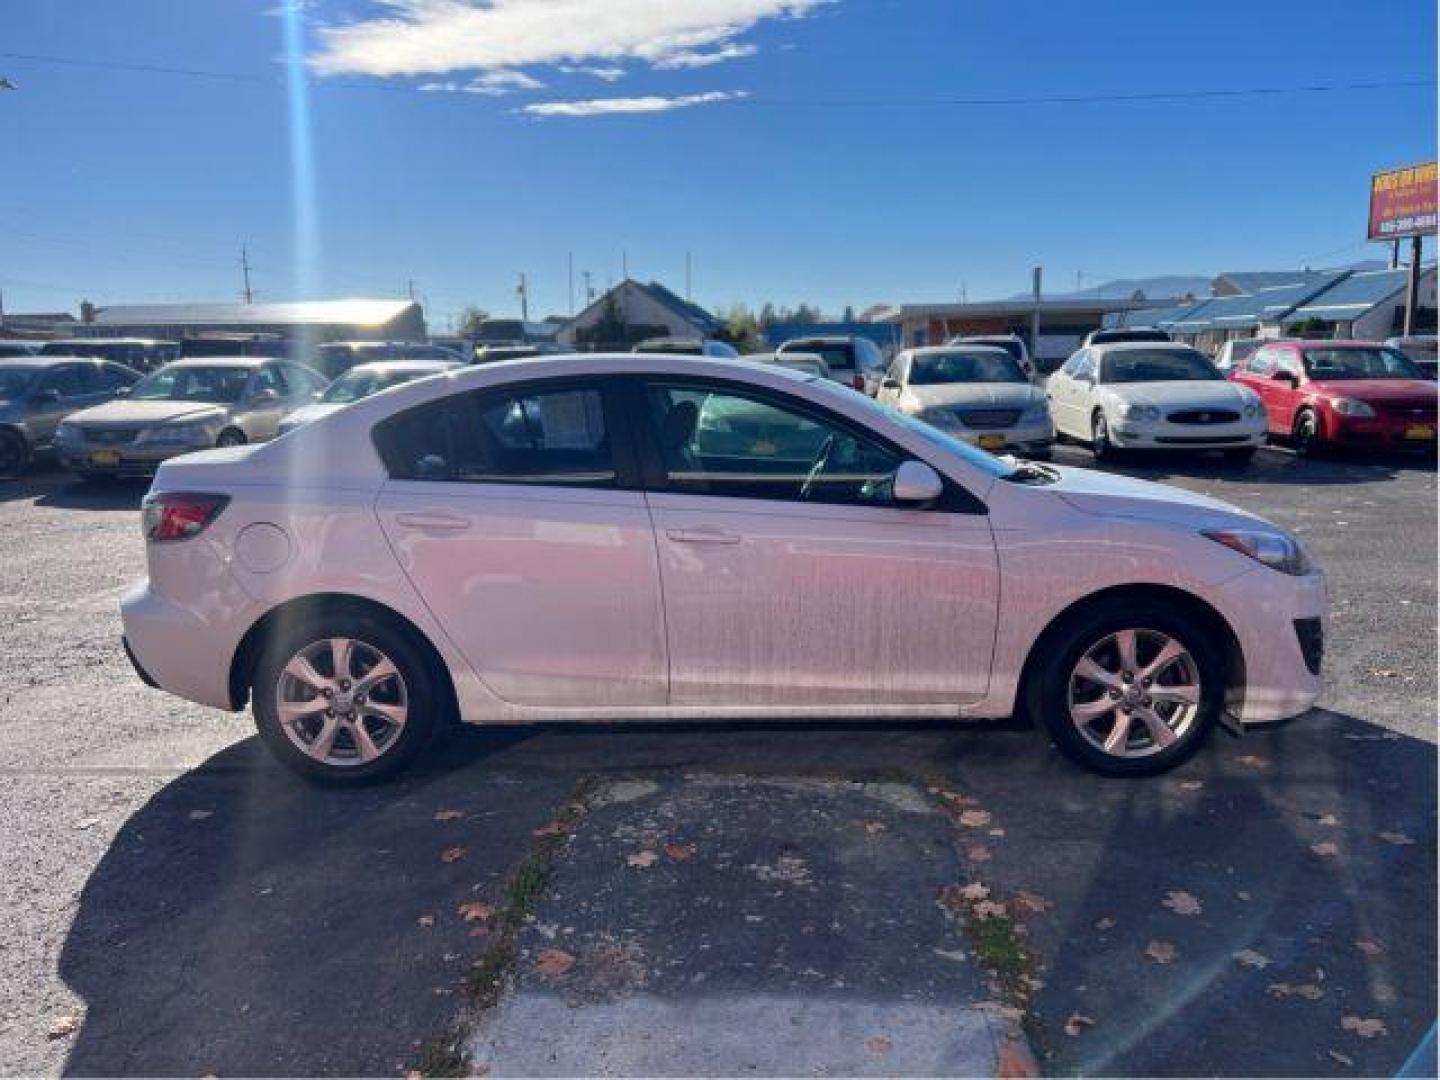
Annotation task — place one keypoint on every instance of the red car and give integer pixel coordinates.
(1342, 393)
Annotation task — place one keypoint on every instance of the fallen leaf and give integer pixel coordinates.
(1399, 839)
(1077, 1024)
(995, 1008)
(977, 853)
(201, 815)
(1385, 673)
(451, 854)
(62, 1027)
(1341, 1058)
(554, 962)
(1241, 894)
(1329, 820)
(996, 832)
(87, 823)
(1253, 760)
(1105, 922)
(1182, 903)
(1162, 952)
(552, 828)
(989, 909)
(1366, 1029)
(641, 860)
(1251, 959)
(1325, 848)
(1191, 785)
(958, 955)
(975, 819)
(448, 815)
(874, 828)
(425, 921)
(475, 911)
(679, 852)
(1031, 902)
(975, 891)
(1308, 991)
(878, 1044)
(1369, 948)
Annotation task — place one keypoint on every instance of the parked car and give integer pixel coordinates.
(1014, 344)
(334, 358)
(10, 348)
(1110, 335)
(1153, 396)
(975, 392)
(1235, 352)
(185, 406)
(1420, 349)
(138, 354)
(219, 344)
(811, 364)
(678, 346)
(493, 354)
(855, 361)
(360, 382)
(38, 392)
(590, 538)
(1346, 393)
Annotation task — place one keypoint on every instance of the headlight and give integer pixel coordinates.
(1254, 408)
(1277, 550)
(940, 418)
(176, 435)
(1350, 407)
(1137, 413)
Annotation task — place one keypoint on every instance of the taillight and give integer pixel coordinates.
(173, 516)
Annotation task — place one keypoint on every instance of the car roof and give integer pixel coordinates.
(977, 346)
(391, 366)
(1326, 343)
(108, 341)
(223, 361)
(34, 361)
(1141, 346)
(965, 339)
(822, 339)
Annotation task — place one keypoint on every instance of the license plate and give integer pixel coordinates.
(105, 457)
(991, 442)
(1420, 431)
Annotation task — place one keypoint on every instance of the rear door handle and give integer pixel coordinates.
(703, 535)
(446, 522)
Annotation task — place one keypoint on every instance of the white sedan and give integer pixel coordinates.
(608, 537)
(975, 392)
(1154, 396)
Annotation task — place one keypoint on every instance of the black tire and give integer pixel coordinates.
(14, 455)
(1239, 458)
(1305, 434)
(1100, 444)
(425, 699)
(1048, 693)
(230, 437)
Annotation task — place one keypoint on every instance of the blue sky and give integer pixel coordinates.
(798, 148)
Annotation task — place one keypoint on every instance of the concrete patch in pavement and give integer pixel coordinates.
(717, 925)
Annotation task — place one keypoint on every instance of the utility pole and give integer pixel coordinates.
(687, 275)
(1035, 319)
(1412, 286)
(589, 289)
(624, 264)
(523, 289)
(245, 273)
(410, 288)
(570, 280)
(1394, 254)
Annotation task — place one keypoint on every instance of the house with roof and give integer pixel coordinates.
(632, 311)
(308, 320)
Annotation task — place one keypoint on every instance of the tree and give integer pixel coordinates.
(467, 323)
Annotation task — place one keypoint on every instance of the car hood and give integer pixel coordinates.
(1196, 394)
(976, 395)
(314, 411)
(123, 411)
(1381, 391)
(1109, 495)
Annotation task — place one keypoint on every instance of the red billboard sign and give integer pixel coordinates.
(1402, 202)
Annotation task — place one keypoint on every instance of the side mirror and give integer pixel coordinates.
(1287, 377)
(122, 391)
(265, 397)
(916, 484)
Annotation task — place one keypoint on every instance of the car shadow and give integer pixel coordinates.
(244, 922)
(52, 486)
(1271, 465)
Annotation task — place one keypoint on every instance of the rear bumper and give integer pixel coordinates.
(179, 649)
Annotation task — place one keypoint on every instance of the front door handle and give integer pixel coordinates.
(703, 535)
(445, 522)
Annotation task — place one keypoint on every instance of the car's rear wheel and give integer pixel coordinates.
(345, 698)
(14, 455)
(1130, 689)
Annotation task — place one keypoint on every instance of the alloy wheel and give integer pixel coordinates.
(342, 702)
(1135, 693)
(1306, 434)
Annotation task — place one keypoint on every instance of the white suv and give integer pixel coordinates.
(610, 537)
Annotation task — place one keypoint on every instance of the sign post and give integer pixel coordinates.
(1403, 203)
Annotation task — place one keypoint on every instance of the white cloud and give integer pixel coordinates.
(488, 83)
(692, 59)
(604, 74)
(433, 37)
(631, 105)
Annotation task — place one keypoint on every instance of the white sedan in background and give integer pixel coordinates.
(975, 392)
(607, 537)
(361, 381)
(1154, 396)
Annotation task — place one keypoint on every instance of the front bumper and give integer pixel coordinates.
(1165, 435)
(1020, 437)
(1384, 431)
(1279, 623)
(134, 459)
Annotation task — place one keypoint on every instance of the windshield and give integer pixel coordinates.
(13, 381)
(216, 384)
(1010, 345)
(838, 356)
(977, 366)
(1353, 362)
(1157, 365)
(360, 383)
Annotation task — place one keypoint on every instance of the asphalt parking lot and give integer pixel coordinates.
(171, 902)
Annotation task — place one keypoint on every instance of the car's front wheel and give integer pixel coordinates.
(345, 698)
(1100, 444)
(1129, 689)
